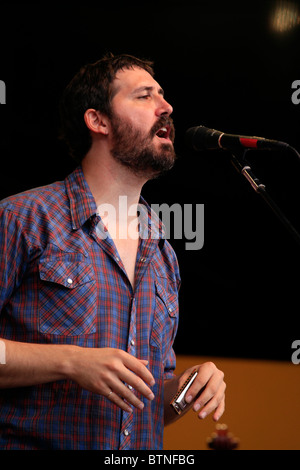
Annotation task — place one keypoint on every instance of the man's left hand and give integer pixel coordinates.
(212, 398)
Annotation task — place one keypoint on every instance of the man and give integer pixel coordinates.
(89, 307)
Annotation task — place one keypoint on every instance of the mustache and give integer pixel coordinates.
(164, 121)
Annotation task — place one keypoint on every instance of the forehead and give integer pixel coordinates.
(130, 80)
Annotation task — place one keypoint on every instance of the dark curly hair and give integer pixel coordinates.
(91, 87)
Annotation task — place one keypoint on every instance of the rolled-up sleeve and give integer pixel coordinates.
(14, 255)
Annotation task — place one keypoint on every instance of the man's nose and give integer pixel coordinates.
(164, 108)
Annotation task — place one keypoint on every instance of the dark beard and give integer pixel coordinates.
(138, 153)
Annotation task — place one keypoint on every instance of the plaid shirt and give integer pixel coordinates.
(63, 283)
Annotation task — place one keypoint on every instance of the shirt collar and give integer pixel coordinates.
(151, 225)
(82, 202)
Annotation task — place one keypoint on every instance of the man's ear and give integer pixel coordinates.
(96, 121)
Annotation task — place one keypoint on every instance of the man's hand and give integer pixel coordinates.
(112, 373)
(212, 398)
(206, 394)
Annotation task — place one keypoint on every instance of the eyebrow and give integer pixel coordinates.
(147, 88)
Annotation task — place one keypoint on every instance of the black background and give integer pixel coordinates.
(221, 65)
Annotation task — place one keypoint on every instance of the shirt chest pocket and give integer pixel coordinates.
(67, 297)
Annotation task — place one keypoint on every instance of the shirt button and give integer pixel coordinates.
(117, 259)
(170, 309)
(132, 342)
(130, 387)
(69, 281)
(143, 260)
(126, 432)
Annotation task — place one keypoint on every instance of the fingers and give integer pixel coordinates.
(136, 375)
(208, 392)
(124, 394)
(127, 379)
(138, 366)
(125, 399)
(215, 405)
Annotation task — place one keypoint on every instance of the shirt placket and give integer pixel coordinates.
(145, 251)
(127, 418)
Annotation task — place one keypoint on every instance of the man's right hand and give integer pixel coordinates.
(112, 373)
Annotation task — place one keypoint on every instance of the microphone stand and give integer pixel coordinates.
(243, 167)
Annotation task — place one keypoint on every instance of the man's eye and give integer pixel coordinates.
(143, 97)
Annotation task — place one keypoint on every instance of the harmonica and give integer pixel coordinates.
(178, 403)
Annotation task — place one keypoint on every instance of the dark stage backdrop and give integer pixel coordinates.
(223, 65)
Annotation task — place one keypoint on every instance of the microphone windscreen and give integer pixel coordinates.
(201, 138)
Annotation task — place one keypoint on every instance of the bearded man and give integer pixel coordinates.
(87, 321)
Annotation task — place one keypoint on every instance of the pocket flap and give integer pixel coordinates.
(169, 299)
(69, 274)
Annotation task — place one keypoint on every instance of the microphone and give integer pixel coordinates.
(201, 138)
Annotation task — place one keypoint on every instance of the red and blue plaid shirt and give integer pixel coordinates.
(62, 283)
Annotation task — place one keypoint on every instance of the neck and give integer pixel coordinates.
(112, 184)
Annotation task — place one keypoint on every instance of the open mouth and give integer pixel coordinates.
(164, 132)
